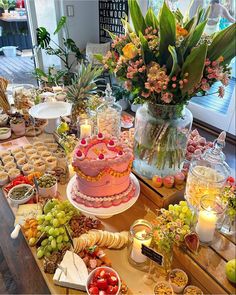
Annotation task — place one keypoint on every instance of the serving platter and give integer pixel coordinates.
(104, 212)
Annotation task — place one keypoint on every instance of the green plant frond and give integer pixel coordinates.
(136, 16)
(179, 16)
(175, 66)
(60, 24)
(151, 19)
(43, 37)
(126, 26)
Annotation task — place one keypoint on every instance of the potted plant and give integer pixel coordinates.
(18, 126)
(83, 89)
(6, 5)
(64, 51)
(122, 96)
(52, 78)
(165, 61)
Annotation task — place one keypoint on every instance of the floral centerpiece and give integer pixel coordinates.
(229, 197)
(165, 61)
(170, 228)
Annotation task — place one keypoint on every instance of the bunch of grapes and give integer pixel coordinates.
(52, 224)
(183, 212)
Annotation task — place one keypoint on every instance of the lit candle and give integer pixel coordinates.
(85, 130)
(206, 225)
(140, 238)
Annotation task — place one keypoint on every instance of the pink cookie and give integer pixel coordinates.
(169, 181)
(157, 181)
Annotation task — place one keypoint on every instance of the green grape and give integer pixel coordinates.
(49, 248)
(40, 254)
(51, 231)
(60, 246)
(47, 254)
(183, 203)
(40, 227)
(55, 222)
(181, 216)
(171, 207)
(44, 242)
(50, 238)
(62, 230)
(48, 217)
(56, 232)
(59, 239)
(60, 215)
(185, 209)
(53, 244)
(47, 228)
(62, 220)
(65, 238)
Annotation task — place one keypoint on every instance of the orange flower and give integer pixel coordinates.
(181, 31)
(220, 59)
(130, 51)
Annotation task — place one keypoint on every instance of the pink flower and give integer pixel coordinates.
(167, 97)
(174, 85)
(205, 87)
(221, 91)
(128, 85)
(174, 78)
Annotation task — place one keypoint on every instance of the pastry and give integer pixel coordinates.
(3, 178)
(7, 159)
(19, 156)
(9, 166)
(27, 169)
(13, 173)
(51, 162)
(39, 166)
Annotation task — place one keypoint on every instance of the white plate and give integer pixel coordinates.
(50, 110)
(104, 212)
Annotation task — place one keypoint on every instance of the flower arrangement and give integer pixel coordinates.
(229, 197)
(172, 225)
(167, 59)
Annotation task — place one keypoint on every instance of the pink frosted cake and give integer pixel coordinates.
(103, 167)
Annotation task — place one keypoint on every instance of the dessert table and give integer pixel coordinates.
(206, 270)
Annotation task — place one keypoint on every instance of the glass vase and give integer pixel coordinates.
(160, 140)
(229, 225)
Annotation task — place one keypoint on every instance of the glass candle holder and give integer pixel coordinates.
(84, 126)
(210, 211)
(140, 234)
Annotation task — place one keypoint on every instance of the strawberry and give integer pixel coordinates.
(102, 284)
(113, 280)
(93, 291)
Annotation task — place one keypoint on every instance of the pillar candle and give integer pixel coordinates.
(206, 226)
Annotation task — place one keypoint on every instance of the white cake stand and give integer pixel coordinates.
(51, 111)
(104, 212)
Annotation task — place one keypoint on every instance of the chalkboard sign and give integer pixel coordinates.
(110, 14)
(153, 255)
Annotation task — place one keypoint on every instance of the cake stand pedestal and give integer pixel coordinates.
(104, 213)
(51, 111)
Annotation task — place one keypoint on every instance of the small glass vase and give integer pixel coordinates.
(228, 225)
(160, 140)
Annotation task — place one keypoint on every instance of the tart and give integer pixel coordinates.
(41, 149)
(49, 141)
(3, 178)
(7, 159)
(34, 158)
(21, 163)
(16, 150)
(13, 173)
(31, 152)
(9, 166)
(178, 280)
(51, 162)
(52, 147)
(192, 290)
(27, 169)
(1, 168)
(39, 166)
(163, 288)
(19, 156)
(28, 147)
(37, 144)
(45, 154)
(4, 154)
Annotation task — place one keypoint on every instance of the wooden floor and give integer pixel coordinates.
(17, 70)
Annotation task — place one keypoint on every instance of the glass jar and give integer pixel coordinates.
(160, 139)
(207, 174)
(228, 226)
(211, 210)
(140, 234)
(109, 115)
(85, 125)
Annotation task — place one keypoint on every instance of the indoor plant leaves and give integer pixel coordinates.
(137, 16)
(151, 19)
(43, 37)
(60, 24)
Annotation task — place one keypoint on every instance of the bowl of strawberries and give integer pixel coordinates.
(103, 281)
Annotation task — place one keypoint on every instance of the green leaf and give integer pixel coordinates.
(151, 19)
(194, 65)
(223, 44)
(175, 66)
(98, 57)
(146, 52)
(43, 37)
(40, 73)
(60, 24)
(136, 16)
(113, 36)
(126, 25)
(167, 33)
(189, 24)
(179, 16)
(194, 37)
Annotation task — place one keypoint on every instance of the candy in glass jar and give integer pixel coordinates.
(109, 115)
(207, 174)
